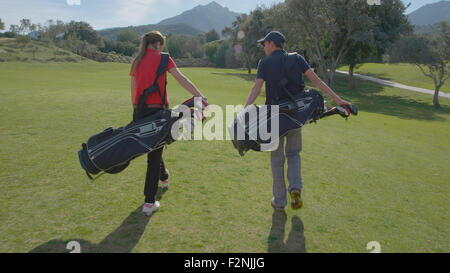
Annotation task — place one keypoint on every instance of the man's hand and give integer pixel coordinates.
(344, 103)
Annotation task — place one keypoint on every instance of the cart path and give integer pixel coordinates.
(397, 85)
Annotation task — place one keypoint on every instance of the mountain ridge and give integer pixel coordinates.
(112, 33)
(200, 19)
(204, 17)
(431, 14)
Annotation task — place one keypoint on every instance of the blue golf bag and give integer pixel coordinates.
(303, 108)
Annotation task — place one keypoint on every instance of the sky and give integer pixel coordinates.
(119, 13)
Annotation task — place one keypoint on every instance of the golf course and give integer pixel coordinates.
(380, 176)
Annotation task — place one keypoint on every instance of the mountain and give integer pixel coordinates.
(175, 29)
(428, 29)
(431, 14)
(204, 17)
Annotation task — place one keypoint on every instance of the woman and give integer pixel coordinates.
(143, 73)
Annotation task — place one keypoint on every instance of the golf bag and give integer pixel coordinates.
(112, 150)
(301, 109)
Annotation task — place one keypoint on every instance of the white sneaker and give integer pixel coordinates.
(165, 183)
(149, 208)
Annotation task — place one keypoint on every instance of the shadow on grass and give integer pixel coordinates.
(296, 238)
(121, 240)
(368, 98)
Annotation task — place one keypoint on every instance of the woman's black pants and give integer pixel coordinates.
(156, 170)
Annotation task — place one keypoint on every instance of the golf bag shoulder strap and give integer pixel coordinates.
(162, 68)
(288, 62)
(154, 87)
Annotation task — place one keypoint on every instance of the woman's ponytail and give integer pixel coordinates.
(149, 39)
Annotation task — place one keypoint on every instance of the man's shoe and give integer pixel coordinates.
(165, 183)
(149, 208)
(275, 206)
(296, 200)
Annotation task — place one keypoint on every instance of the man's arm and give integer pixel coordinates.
(325, 88)
(256, 90)
(185, 82)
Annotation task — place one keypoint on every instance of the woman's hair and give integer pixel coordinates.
(149, 39)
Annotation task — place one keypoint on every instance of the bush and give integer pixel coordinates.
(210, 50)
(181, 46)
(129, 36)
(23, 40)
(221, 53)
(124, 48)
(61, 53)
(9, 34)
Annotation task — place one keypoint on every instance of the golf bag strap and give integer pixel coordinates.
(154, 87)
(288, 62)
(84, 146)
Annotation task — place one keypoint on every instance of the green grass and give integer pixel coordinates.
(382, 176)
(407, 74)
(35, 51)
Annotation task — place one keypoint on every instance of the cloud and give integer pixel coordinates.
(134, 11)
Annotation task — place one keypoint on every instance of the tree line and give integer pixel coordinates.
(81, 38)
(328, 33)
(344, 32)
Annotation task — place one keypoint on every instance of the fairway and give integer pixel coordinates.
(408, 74)
(381, 176)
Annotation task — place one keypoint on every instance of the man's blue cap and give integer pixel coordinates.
(274, 36)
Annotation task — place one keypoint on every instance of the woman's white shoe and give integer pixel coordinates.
(149, 208)
(165, 183)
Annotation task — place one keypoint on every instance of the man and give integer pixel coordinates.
(271, 70)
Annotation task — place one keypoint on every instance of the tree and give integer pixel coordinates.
(210, 50)
(24, 28)
(431, 54)
(51, 30)
(2, 25)
(358, 54)
(184, 46)
(129, 36)
(390, 23)
(126, 48)
(212, 35)
(220, 53)
(244, 33)
(84, 32)
(327, 29)
(14, 29)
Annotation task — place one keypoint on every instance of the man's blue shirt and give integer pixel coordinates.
(272, 71)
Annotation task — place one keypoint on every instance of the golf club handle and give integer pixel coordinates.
(353, 109)
(341, 111)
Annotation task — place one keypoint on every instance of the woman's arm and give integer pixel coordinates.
(255, 92)
(325, 88)
(185, 82)
(133, 89)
